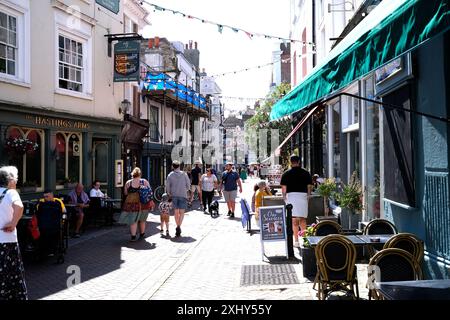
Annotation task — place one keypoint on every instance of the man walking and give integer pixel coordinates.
(230, 181)
(296, 186)
(196, 173)
(177, 186)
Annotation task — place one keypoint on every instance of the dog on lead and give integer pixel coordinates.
(214, 209)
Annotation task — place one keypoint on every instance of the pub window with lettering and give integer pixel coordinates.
(67, 155)
(25, 149)
(71, 65)
(8, 44)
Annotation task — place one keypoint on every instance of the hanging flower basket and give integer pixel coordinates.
(21, 146)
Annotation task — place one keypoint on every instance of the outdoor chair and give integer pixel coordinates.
(325, 228)
(408, 242)
(392, 264)
(336, 257)
(378, 226)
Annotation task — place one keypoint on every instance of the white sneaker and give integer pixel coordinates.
(296, 244)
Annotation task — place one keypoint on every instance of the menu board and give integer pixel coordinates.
(126, 61)
(273, 223)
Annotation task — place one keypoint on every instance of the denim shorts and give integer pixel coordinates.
(179, 202)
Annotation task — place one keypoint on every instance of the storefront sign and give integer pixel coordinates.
(126, 61)
(57, 123)
(111, 5)
(119, 173)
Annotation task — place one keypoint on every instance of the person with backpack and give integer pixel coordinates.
(134, 212)
(230, 183)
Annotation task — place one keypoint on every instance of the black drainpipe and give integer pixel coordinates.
(314, 30)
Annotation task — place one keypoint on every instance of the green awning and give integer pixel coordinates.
(393, 28)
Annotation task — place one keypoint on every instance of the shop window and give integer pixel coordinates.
(25, 148)
(68, 157)
(154, 124)
(8, 44)
(70, 64)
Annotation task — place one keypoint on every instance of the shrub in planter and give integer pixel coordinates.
(308, 253)
(351, 198)
(326, 190)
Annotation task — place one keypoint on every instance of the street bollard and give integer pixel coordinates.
(290, 245)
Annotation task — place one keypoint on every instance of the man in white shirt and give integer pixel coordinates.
(95, 191)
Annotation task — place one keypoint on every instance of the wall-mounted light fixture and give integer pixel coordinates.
(332, 5)
(124, 106)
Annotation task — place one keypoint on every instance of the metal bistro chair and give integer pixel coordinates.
(408, 242)
(393, 264)
(336, 257)
(378, 226)
(325, 228)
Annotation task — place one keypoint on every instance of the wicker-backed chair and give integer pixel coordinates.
(326, 227)
(336, 256)
(378, 226)
(393, 264)
(408, 242)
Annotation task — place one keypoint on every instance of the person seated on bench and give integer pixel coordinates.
(81, 199)
(49, 212)
(97, 205)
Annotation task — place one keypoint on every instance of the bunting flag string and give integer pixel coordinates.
(248, 69)
(220, 26)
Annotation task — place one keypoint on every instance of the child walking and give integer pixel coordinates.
(164, 210)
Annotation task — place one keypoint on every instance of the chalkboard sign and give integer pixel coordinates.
(111, 5)
(272, 223)
(398, 149)
(126, 61)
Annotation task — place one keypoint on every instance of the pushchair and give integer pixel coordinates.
(53, 230)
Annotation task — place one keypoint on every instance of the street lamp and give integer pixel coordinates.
(124, 106)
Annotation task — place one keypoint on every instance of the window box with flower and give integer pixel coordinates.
(20, 146)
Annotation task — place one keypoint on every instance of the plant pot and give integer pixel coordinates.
(349, 219)
(308, 262)
(70, 185)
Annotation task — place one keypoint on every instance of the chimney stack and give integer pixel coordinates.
(187, 46)
(190, 44)
(195, 43)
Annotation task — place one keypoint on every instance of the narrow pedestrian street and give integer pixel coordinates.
(205, 263)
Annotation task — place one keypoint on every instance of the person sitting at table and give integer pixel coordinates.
(97, 205)
(81, 199)
(95, 191)
(49, 211)
(263, 191)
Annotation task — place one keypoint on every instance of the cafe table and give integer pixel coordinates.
(357, 240)
(415, 290)
(314, 240)
(110, 206)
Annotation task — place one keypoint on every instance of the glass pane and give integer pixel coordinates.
(60, 153)
(12, 38)
(67, 44)
(33, 159)
(3, 35)
(61, 42)
(11, 53)
(373, 155)
(61, 55)
(80, 61)
(2, 65)
(74, 59)
(71, 74)
(73, 47)
(3, 20)
(66, 72)
(2, 51)
(74, 154)
(12, 23)
(63, 84)
(11, 67)
(66, 57)
(336, 141)
(61, 71)
(101, 161)
(80, 48)
(78, 75)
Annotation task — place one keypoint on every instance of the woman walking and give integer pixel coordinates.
(208, 182)
(12, 280)
(133, 212)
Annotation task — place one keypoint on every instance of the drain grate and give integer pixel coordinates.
(279, 274)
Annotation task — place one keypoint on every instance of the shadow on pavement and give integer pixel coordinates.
(282, 260)
(140, 245)
(183, 239)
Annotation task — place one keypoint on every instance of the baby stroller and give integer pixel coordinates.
(53, 230)
(214, 209)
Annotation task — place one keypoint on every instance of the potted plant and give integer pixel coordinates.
(351, 199)
(28, 186)
(326, 190)
(307, 252)
(69, 183)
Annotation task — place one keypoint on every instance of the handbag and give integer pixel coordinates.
(145, 193)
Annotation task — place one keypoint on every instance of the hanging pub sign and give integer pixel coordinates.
(111, 5)
(126, 61)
